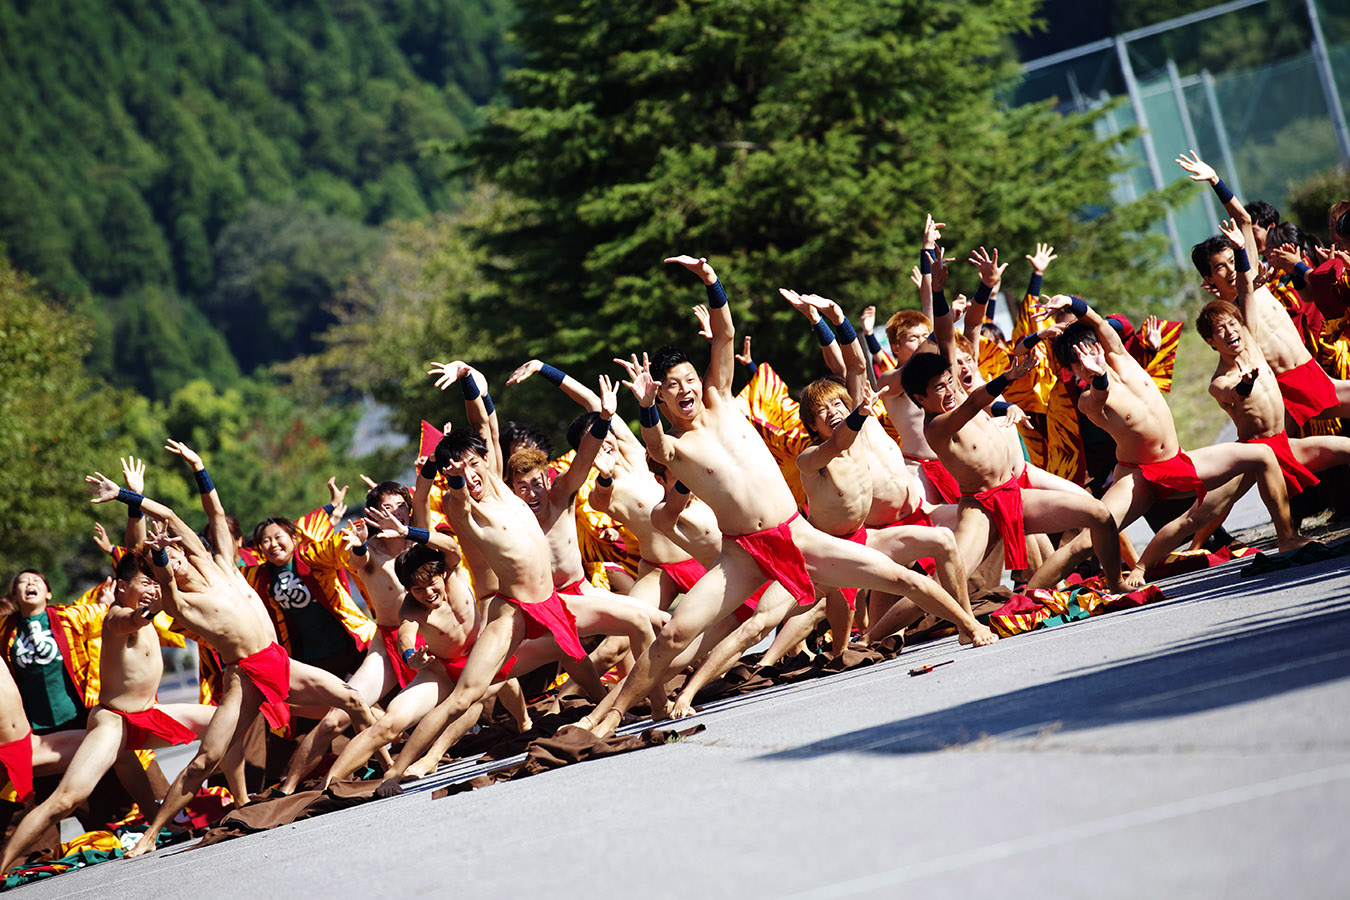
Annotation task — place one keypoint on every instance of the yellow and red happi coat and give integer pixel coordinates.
(323, 564)
(765, 401)
(163, 622)
(1327, 340)
(78, 631)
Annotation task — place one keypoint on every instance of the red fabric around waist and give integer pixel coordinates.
(270, 671)
(573, 589)
(1307, 391)
(1296, 475)
(404, 672)
(17, 758)
(1171, 476)
(456, 667)
(140, 726)
(941, 479)
(779, 559)
(1004, 505)
(550, 616)
(685, 574)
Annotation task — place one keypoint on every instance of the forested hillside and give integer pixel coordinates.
(209, 168)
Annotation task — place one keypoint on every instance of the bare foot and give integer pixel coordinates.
(1134, 580)
(682, 709)
(145, 845)
(980, 636)
(660, 706)
(420, 769)
(388, 788)
(526, 725)
(962, 638)
(1291, 544)
(605, 727)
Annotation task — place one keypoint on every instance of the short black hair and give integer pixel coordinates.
(580, 425)
(1077, 334)
(1343, 225)
(1289, 233)
(518, 434)
(458, 443)
(919, 372)
(1206, 250)
(384, 489)
(1263, 214)
(412, 560)
(136, 559)
(665, 359)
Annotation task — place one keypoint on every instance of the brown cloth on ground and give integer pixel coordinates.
(267, 814)
(568, 746)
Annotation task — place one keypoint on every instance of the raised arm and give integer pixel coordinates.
(991, 275)
(1240, 235)
(829, 347)
(391, 527)
(850, 348)
(478, 405)
(818, 456)
(566, 485)
(133, 476)
(1199, 170)
(103, 490)
(217, 528)
(420, 513)
(580, 394)
(947, 424)
(944, 329)
(659, 444)
(1107, 336)
(721, 367)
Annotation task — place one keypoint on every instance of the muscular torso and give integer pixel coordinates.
(978, 455)
(894, 493)
(631, 501)
(500, 535)
(208, 603)
(1262, 413)
(723, 460)
(839, 494)
(694, 530)
(383, 592)
(451, 628)
(13, 721)
(130, 665)
(1274, 332)
(1134, 413)
(907, 418)
(558, 518)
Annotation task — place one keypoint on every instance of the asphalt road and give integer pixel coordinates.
(1198, 747)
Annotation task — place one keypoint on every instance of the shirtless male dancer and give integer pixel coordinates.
(127, 717)
(719, 456)
(258, 675)
(1245, 388)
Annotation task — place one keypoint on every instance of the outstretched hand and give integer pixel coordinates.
(133, 473)
(101, 487)
(337, 496)
(1047, 307)
(105, 595)
(101, 539)
(1092, 356)
(1014, 416)
(188, 455)
(357, 533)
(1284, 257)
(640, 380)
(448, 373)
(916, 276)
(940, 269)
(932, 232)
(1233, 231)
(609, 397)
(1153, 333)
(704, 321)
(1021, 365)
(868, 320)
(991, 273)
(524, 371)
(159, 537)
(1199, 169)
(1041, 259)
(389, 526)
(798, 302)
(744, 357)
(698, 266)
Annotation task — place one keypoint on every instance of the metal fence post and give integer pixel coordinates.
(1323, 61)
(1141, 118)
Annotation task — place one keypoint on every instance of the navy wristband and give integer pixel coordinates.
(940, 305)
(1244, 388)
(1241, 261)
(160, 557)
(418, 535)
(982, 294)
(926, 261)
(873, 344)
(455, 482)
(990, 307)
(648, 417)
(999, 407)
(469, 385)
(135, 513)
(359, 550)
(600, 428)
(488, 405)
(1300, 275)
(1222, 190)
(998, 385)
(846, 333)
(1078, 306)
(604, 480)
(408, 654)
(130, 498)
(1100, 382)
(751, 368)
(855, 419)
(1031, 340)
(824, 333)
(429, 468)
(204, 483)
(1034, 286)
(551, 374)
(717, 295)
(328, 508)
(679, 486)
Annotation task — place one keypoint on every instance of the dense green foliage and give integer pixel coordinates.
(795, 144)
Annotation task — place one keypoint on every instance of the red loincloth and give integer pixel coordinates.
(270, 671)
(550, 616)
(1171, 476)
(404, 672)
(1004, 505)
(456, 667)
(140, 726)
(851, 594)
(573, 589)
(779, 559)
(17, 758)
(685, 574)
(1296, 475)
(1307, 391)
(942, 480)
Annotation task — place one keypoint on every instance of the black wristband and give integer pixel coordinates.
(1244, 388)
(1100, 382)
(998, 385)
(204, 483)
(982, 294)
(926, 257)
(873, 344)
(999, 407)
(328, 508)
(600, 428)
(429, 468)
(1034, 286)
(160, 557)
(135, 513)
(1300, 275)
(1031, 340)
(1078, 306)
(359, 549)
(855, 419)
(469, 386)
(940, 305)
(648, 417)
(846, 333)
(1223, 191)
(604, 480)
(717, 295)
(130, 498)
(418, 535)
(455, 482)
(556, 376)
(1241, 261)
(824, 333)
(680, 486)
(488, 405)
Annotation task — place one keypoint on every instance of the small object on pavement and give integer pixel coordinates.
(924, 670)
